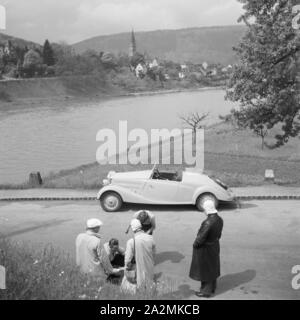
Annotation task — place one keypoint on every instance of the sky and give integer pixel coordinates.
(75, 20)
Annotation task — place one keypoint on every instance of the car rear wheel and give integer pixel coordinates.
(111, 201)
(206, 196)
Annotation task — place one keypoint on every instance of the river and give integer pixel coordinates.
(49, 138)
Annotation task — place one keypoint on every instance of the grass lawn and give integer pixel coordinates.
(49, 273)
(234, 156)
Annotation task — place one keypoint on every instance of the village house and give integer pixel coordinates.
(213, 72)
(205, 65)
(153, 64)
(181, 75)
(140, 70)
(184, 71)
(5, 49)
(200, 69)
(227, 69)
(1, 51)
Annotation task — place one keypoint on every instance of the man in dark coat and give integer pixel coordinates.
(205, 266)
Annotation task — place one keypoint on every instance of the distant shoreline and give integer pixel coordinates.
(98, 97)
(166, 91)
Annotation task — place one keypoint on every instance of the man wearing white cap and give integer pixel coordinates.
(90, 255)
(205, 266)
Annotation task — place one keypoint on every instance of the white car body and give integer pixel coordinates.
(141, 187)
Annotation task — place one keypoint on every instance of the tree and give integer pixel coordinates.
(20, 53)
(194, 120)
(32, 57)
(62, 51)
(265, 80)
(48, 54)
(32, 63)
(123, 60)
(261, 132)
(108, 60)
(136, 59)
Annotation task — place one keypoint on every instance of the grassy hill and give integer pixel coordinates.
(211, 44)
(17, 41)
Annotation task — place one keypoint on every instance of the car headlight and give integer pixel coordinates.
(105, 182)
(110, 174)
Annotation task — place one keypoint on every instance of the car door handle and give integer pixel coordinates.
(151, 186)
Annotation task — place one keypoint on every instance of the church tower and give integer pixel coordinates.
(132, 47)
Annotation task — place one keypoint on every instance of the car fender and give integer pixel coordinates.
(113, 188)
(126, 194)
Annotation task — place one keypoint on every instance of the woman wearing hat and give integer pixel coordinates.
(147, 220)
(139, 255)
(205, 266)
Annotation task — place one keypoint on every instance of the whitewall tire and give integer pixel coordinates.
(111, 201)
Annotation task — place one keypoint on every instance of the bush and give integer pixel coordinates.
(45, 274)
(50, 71)
(108, 60)
(125, 81)
(12, 72)
(41, 69)
(79, 65)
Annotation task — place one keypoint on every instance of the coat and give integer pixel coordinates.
(142, 247)
(90, 255)
(205, 264)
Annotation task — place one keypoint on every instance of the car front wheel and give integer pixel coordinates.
(111, 201)
(206, 196)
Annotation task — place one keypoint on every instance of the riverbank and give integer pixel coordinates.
(168, 91)
(233, 156)
(25, 103)
(28, 92)
(66, 100)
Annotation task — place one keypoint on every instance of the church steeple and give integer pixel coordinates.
(132, 47)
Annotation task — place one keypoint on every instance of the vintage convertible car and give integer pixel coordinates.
(161, 187)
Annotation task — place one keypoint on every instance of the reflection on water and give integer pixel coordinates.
(61, 136)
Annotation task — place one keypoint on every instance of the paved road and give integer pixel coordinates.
(260, 243)
(253, 191)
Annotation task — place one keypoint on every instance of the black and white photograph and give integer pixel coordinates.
(150, 150)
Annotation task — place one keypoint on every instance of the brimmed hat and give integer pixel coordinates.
(209, 207)
(93, 223)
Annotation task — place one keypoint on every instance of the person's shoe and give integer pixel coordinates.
(202, 295)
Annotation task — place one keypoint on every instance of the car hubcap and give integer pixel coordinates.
(111, 202)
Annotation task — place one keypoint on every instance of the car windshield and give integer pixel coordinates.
(153, 170)
(165, 175)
